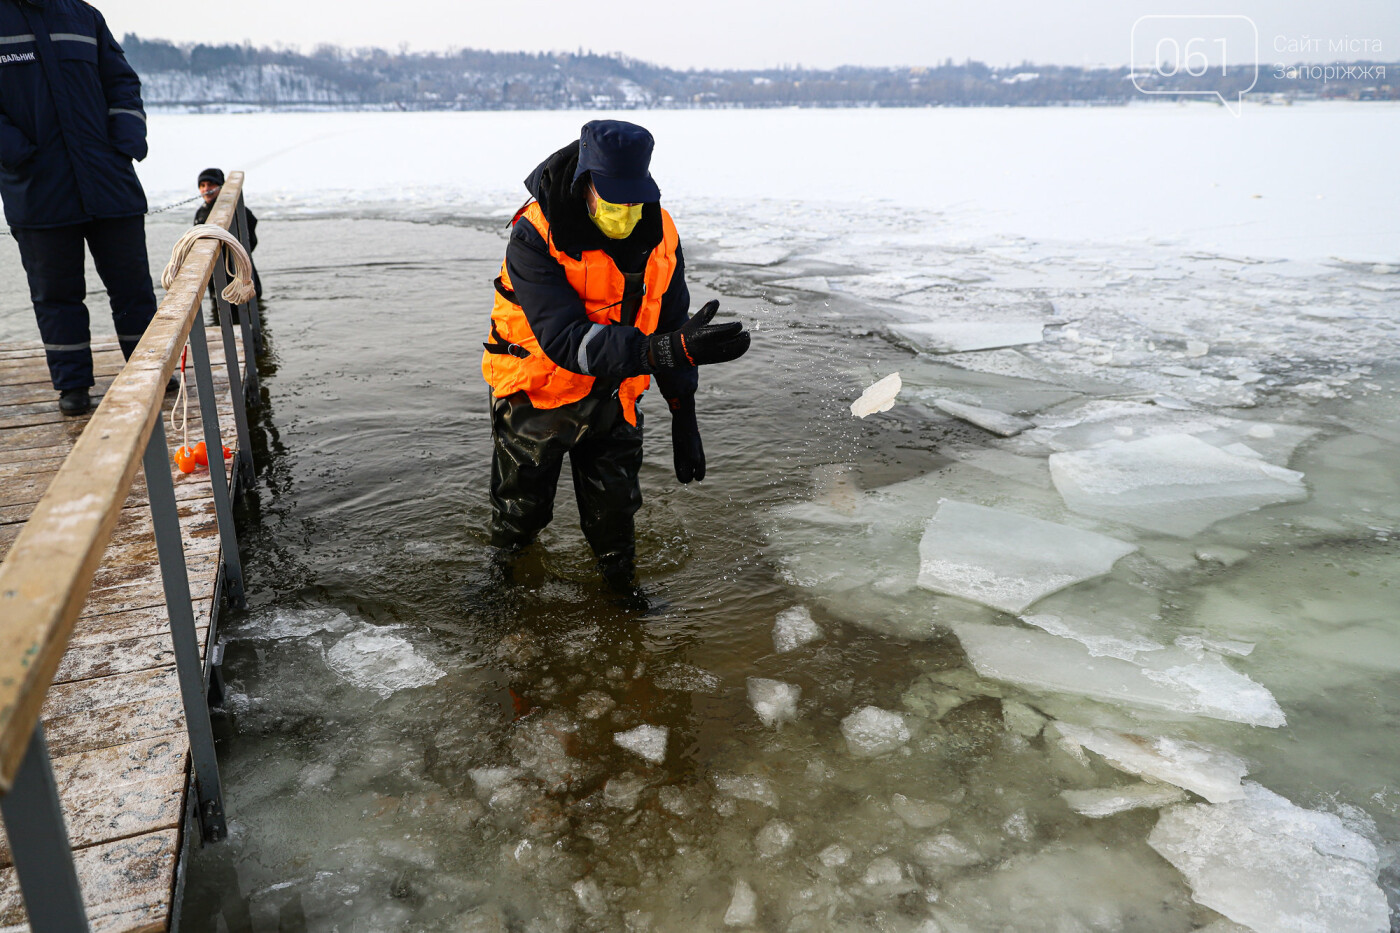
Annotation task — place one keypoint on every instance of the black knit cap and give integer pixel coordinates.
(618, 156)
(216, 175)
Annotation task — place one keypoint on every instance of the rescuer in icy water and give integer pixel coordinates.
(590, 303)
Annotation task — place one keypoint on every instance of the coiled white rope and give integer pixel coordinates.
(240, 287)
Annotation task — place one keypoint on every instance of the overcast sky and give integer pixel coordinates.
(758, 33)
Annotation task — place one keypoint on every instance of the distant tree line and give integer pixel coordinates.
(469, 79)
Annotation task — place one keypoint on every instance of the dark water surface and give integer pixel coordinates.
(350, 810)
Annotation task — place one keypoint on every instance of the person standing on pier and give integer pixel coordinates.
(590, 303)
(71, 124)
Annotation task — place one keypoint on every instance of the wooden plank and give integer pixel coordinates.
(126, 885)
(198, 522)
(117, 792)
(110, 711)
(36, 370)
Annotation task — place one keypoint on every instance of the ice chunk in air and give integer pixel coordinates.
(1006, 560)
(1176, 484)
(1273, 866)
(1172, 680)
(961, 336)
(879, 397)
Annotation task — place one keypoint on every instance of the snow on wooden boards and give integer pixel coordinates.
(113, 717)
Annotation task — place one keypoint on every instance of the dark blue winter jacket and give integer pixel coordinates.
(71, 119)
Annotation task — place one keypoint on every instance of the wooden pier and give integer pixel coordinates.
(114, 713)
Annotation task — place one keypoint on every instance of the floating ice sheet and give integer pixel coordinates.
(1208, 772)
(988, 419)
(1275, 867)
(774, 701)
(647, 741)
(1106, 801)
(878, 397)
(1171, 680)
(871, 731)
(381, 662)
(1006, 560)
(960, 336)
(793, 629)
(1176, 484)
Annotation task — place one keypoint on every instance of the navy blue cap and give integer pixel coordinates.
(618, 155)
(212, 174)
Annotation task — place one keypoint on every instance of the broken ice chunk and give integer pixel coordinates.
(1106, 801)
(623, 791)
(1097, 636)
(1006, 560)
(746, 787)
(774, 701)
(988, 419)
(743, 906)
(383, 663)
(919, 814)
(871, 731)
(834, 855)
(879, 397)
(1176, 484)
(960, 336)
(1172, 679)
(1208, 772)
(647, 741)
(946, 850)
(773, 839)
(882, 871)
(794, 629)
(1270, 865)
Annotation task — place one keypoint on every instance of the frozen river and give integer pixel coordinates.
(1094, 629)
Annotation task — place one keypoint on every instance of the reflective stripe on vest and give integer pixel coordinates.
(513, 361)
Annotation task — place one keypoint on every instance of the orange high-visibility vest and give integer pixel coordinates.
(596, 279)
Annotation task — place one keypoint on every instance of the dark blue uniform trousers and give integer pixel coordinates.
(53, 261)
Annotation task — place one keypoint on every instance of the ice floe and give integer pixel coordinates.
(649, 742)
(1208, 772)
(1006, 560)
(878, 397)
(871, 731)
(743, 906)
(793, 629)
(962, 336)
(1275, 867)
(1106, 801)
(1170, 680)
(775, 702)
(988, 419)
(1176, 484)
(380, 661)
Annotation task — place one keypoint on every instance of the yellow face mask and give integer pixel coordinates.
(617, 221)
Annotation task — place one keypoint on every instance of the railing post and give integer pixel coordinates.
(235, 374)
(214, 444)
(240, 219)
(39, 844)
(165, 516)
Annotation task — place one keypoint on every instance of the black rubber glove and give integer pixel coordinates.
(697, 343)
(685, 440)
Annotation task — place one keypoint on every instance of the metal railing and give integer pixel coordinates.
(46, 576)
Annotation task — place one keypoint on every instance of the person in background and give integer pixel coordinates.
(211, 181)
(71, 124)
(590, 303)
